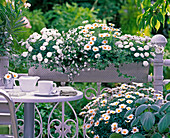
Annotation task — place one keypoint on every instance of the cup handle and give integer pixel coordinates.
(14, 81)
(54, 85)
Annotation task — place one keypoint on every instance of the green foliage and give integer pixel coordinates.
(153, 118)
(128, 15)
(154, 13)
(115, 135)
(36, 19)
(137, 135)
(10, 23)
(66, 16)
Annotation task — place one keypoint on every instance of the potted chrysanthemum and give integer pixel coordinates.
(127, 110)
(88, 47)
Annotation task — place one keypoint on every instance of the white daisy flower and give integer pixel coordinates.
(118, 110)
(91, 111)
(118, 130)
(95, 49)
(15, 75)
(124, 132)
(128, 108)
(107, 117)
(129, 101)
(122, 106)
(104, 42)
(87, 47)
(95, 24)
(101, 35)
(121, 100)
(86, 21)
(82, 113)
(80, 27)
(128, 96)
(114, 124)
(114, 104)
(88, 126)
(8, 76)
(92, 38)
(91, 43)
(96, 123)
(130, 117)
(134, 130)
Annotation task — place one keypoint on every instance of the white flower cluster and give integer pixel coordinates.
(94, 45)
(109, 110)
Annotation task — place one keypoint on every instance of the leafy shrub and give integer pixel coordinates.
(66, 16)
(128, 15)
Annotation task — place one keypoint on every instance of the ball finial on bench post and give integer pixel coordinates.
(159, 41)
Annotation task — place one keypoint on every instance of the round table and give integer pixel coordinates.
(30, 99)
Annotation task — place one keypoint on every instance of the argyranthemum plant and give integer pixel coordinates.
(116, 110)
(95, 45)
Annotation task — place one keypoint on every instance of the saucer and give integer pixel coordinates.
(45, 94)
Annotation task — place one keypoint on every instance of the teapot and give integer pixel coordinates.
(28, 83)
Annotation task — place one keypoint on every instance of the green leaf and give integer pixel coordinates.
(164, 107)
(141, 100)
(137, 135)
(129, 112)
(156, 135)
(154, 21)
(135, 121)
(147, 120)
(155, 107)
(160, 17)
(164, 123)
(140, 109)
(167, 86)
(116, 135)
(157, 26)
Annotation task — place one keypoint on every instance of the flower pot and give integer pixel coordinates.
(9, 84)
(4, 64)
(108, 75)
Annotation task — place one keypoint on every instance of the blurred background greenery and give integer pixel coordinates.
(66, 14)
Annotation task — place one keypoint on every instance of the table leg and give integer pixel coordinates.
(29, 120)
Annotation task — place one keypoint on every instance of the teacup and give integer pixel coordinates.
(45, 86)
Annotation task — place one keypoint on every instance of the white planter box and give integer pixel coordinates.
(108, 75)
